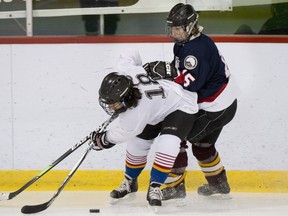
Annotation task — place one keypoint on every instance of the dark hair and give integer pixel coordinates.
(133, 98)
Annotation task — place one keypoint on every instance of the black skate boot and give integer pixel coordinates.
(127, 186)
(175, 192)
(154, 195)
(217, 185)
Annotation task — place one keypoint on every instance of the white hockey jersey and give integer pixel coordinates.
(159, 99)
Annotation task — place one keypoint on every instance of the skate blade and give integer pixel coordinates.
(218, 197)
(154, 209)
(179, 202)
(127, 199)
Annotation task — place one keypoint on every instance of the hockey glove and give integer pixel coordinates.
(99, 141)
(160, 70)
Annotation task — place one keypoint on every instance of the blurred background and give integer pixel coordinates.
(138, 17)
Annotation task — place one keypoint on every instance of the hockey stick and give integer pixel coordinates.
(29, 209)
(11, 195)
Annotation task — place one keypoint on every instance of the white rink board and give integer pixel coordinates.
(6, 104)
(53, 88)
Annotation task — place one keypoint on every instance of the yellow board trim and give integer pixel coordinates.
(240, 181)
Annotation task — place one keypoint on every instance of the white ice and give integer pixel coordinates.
(76, 203)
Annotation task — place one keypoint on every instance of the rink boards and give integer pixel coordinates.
(240, 181)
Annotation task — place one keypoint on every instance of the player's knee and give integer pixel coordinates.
(203, 151)
(181, 160)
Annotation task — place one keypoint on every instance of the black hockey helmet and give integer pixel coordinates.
(185, 16)
(181, 15)
(115, 88)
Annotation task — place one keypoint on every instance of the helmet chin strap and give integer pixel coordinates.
(124, 104)
(187, 38)
(189, 30)
(122, 109)
(191, 26)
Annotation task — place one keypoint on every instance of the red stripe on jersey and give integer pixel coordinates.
(213, 97)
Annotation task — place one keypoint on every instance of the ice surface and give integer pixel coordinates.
(78, 203)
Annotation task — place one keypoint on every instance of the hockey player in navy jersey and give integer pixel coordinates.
(142, 103)
(198, 67)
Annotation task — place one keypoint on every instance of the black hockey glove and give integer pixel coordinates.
(160, 70)
(99, 141)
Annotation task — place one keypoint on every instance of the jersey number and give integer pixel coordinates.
(144, 79)
(188, 78)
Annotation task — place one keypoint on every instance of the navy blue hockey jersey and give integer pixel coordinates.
(201, 68)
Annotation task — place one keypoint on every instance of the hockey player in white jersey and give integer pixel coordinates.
(142, 103)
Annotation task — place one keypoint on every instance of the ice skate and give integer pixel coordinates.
(217, 187)
(176, 193)
(127, 189)
(154, 197)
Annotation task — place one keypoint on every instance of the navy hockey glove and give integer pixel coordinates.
(160, 70)
(99, 141)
